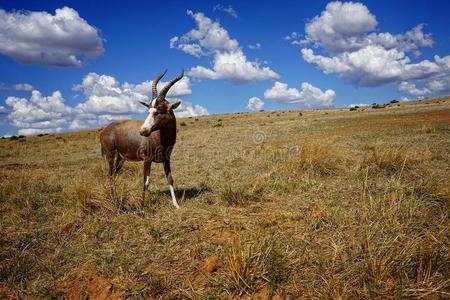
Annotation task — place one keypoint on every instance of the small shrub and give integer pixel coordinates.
(183, 124)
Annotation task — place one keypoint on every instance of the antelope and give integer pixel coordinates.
(150, 141)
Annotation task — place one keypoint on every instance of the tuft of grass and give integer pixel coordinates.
(241, 195)
(253, 262)
(389, 158)
(320, 159)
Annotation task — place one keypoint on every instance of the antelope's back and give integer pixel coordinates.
(122, 136)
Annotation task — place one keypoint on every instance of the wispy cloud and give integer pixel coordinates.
(254, 46)
(23, 87)
(228, 10)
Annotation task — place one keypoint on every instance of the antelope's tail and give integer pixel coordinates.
(102, 151)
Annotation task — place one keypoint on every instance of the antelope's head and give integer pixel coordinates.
(160, 111)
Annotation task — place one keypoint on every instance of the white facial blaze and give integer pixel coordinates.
(150, 120)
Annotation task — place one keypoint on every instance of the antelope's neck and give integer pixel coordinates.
(168, 135)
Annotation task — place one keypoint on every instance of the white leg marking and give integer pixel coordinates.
(147, 181)
(174, 200)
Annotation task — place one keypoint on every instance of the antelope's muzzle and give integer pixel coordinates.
(145, 132)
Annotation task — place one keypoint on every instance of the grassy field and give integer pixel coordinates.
(312, 204)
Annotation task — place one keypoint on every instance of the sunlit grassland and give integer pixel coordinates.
(325, 204)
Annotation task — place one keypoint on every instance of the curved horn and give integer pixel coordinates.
(154, 84)
(162, 94)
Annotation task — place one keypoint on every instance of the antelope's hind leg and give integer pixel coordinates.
(170, 182)
(110, 156)
(147, 168)
(119, 163)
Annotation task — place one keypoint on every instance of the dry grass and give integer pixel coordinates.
(335, 205)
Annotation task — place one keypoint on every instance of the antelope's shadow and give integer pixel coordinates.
(182, 193)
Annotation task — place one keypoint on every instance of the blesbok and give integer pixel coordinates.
(150, 141)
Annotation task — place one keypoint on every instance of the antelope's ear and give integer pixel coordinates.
(145, 104)
(175, 105)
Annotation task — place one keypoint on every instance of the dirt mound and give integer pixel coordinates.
(93, 287)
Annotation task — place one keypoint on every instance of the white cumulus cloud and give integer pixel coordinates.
(255, 104)
(105, 95)
(37, 37)
(363, 57)
(39, 114)
(358, 104)
(181, 88)
(105, 100)
(229, 62)
(187, 109)
(341, 26)
(308, 95)
(411, 89)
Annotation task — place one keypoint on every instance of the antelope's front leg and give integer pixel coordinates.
(147, 168)
(170, 182)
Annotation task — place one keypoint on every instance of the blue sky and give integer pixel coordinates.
(239, 56)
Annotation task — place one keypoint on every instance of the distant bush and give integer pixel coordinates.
(379, 106)
(394, 101)
(183, 124)
(13, 138)
(353, 108)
